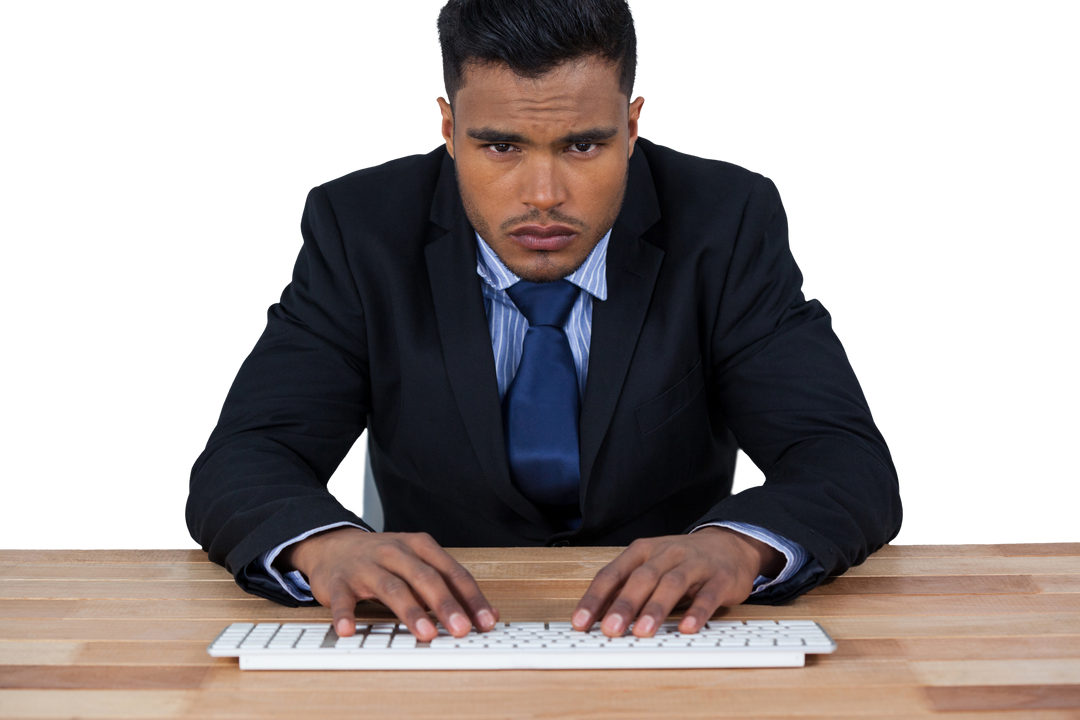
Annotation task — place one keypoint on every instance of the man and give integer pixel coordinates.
(556, 333)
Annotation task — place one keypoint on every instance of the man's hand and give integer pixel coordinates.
(715, 566)
(404, 571)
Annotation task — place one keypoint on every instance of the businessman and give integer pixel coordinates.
(555, 333)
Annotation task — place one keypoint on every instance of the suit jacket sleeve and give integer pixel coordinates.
(297, 405)
(787, 391)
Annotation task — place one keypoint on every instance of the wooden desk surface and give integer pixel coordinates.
(974, 631)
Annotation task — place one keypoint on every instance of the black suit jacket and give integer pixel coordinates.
(704, 344)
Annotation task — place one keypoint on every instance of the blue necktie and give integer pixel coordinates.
(541, 407)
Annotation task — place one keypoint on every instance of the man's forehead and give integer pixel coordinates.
(577, 95)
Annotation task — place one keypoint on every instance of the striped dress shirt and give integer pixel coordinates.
(507, 326)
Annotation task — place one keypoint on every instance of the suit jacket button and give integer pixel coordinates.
(561, 543)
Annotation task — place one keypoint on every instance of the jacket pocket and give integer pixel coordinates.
(656, 412)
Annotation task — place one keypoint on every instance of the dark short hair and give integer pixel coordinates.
(535, 36)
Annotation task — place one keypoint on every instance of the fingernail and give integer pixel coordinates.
(644, 625)
(459, 624)
(343, 627)
(581, 618)
(690, 623)
(424, 627)
(486, 619)
(613, 624)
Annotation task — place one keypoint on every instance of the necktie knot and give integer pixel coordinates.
(544, 303)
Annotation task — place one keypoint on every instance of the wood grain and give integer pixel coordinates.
(978, 631)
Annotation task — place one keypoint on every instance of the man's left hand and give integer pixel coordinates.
(714, 566)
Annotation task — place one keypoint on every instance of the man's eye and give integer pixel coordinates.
(576, 145)
(584, 147)
(501, 148)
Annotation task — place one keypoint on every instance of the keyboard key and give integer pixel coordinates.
(349, 642)
(378, 641)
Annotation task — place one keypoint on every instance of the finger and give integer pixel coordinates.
(343, 608)
(342, 603)
(639, 587)
(672, 588)
(428, 584)
(460, 581)
(706, 600)
(605, 585)
(396, 594)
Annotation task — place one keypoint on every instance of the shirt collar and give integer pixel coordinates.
(590, 277)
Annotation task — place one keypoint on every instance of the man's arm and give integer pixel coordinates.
(788, 393)
(297, 405)
(784, 387)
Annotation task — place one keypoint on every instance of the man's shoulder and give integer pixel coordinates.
(402, 186)
(680, 171)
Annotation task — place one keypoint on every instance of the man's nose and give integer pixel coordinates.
(542, 186)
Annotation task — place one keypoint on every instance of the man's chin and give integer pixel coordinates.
(543, 276)
(540, 270)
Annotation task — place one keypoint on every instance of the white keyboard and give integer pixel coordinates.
(520, 645)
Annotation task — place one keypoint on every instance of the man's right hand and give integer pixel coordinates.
(404, 571)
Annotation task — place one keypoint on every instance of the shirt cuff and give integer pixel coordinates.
(794, 553)
(293, 582)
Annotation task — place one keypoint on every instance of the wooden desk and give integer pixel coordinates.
(986, 631)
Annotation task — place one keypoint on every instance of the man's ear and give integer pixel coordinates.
(636, 116)
(445, 122)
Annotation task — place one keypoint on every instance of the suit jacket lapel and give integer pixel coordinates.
(466, 340)
(632, 268)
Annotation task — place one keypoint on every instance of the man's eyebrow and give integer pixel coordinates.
(493, 135)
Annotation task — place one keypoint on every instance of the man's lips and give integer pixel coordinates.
(543, 230)
(549, 243)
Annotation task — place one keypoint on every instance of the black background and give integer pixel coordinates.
(216, 153)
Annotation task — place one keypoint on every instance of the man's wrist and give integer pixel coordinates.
(769, 561)
(301, 556)
(285, 561)
(772, 561)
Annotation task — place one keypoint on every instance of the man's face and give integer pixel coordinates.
(542, 164)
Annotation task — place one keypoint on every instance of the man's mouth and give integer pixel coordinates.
(543, 237)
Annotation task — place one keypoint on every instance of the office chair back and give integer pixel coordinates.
(370, 505)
